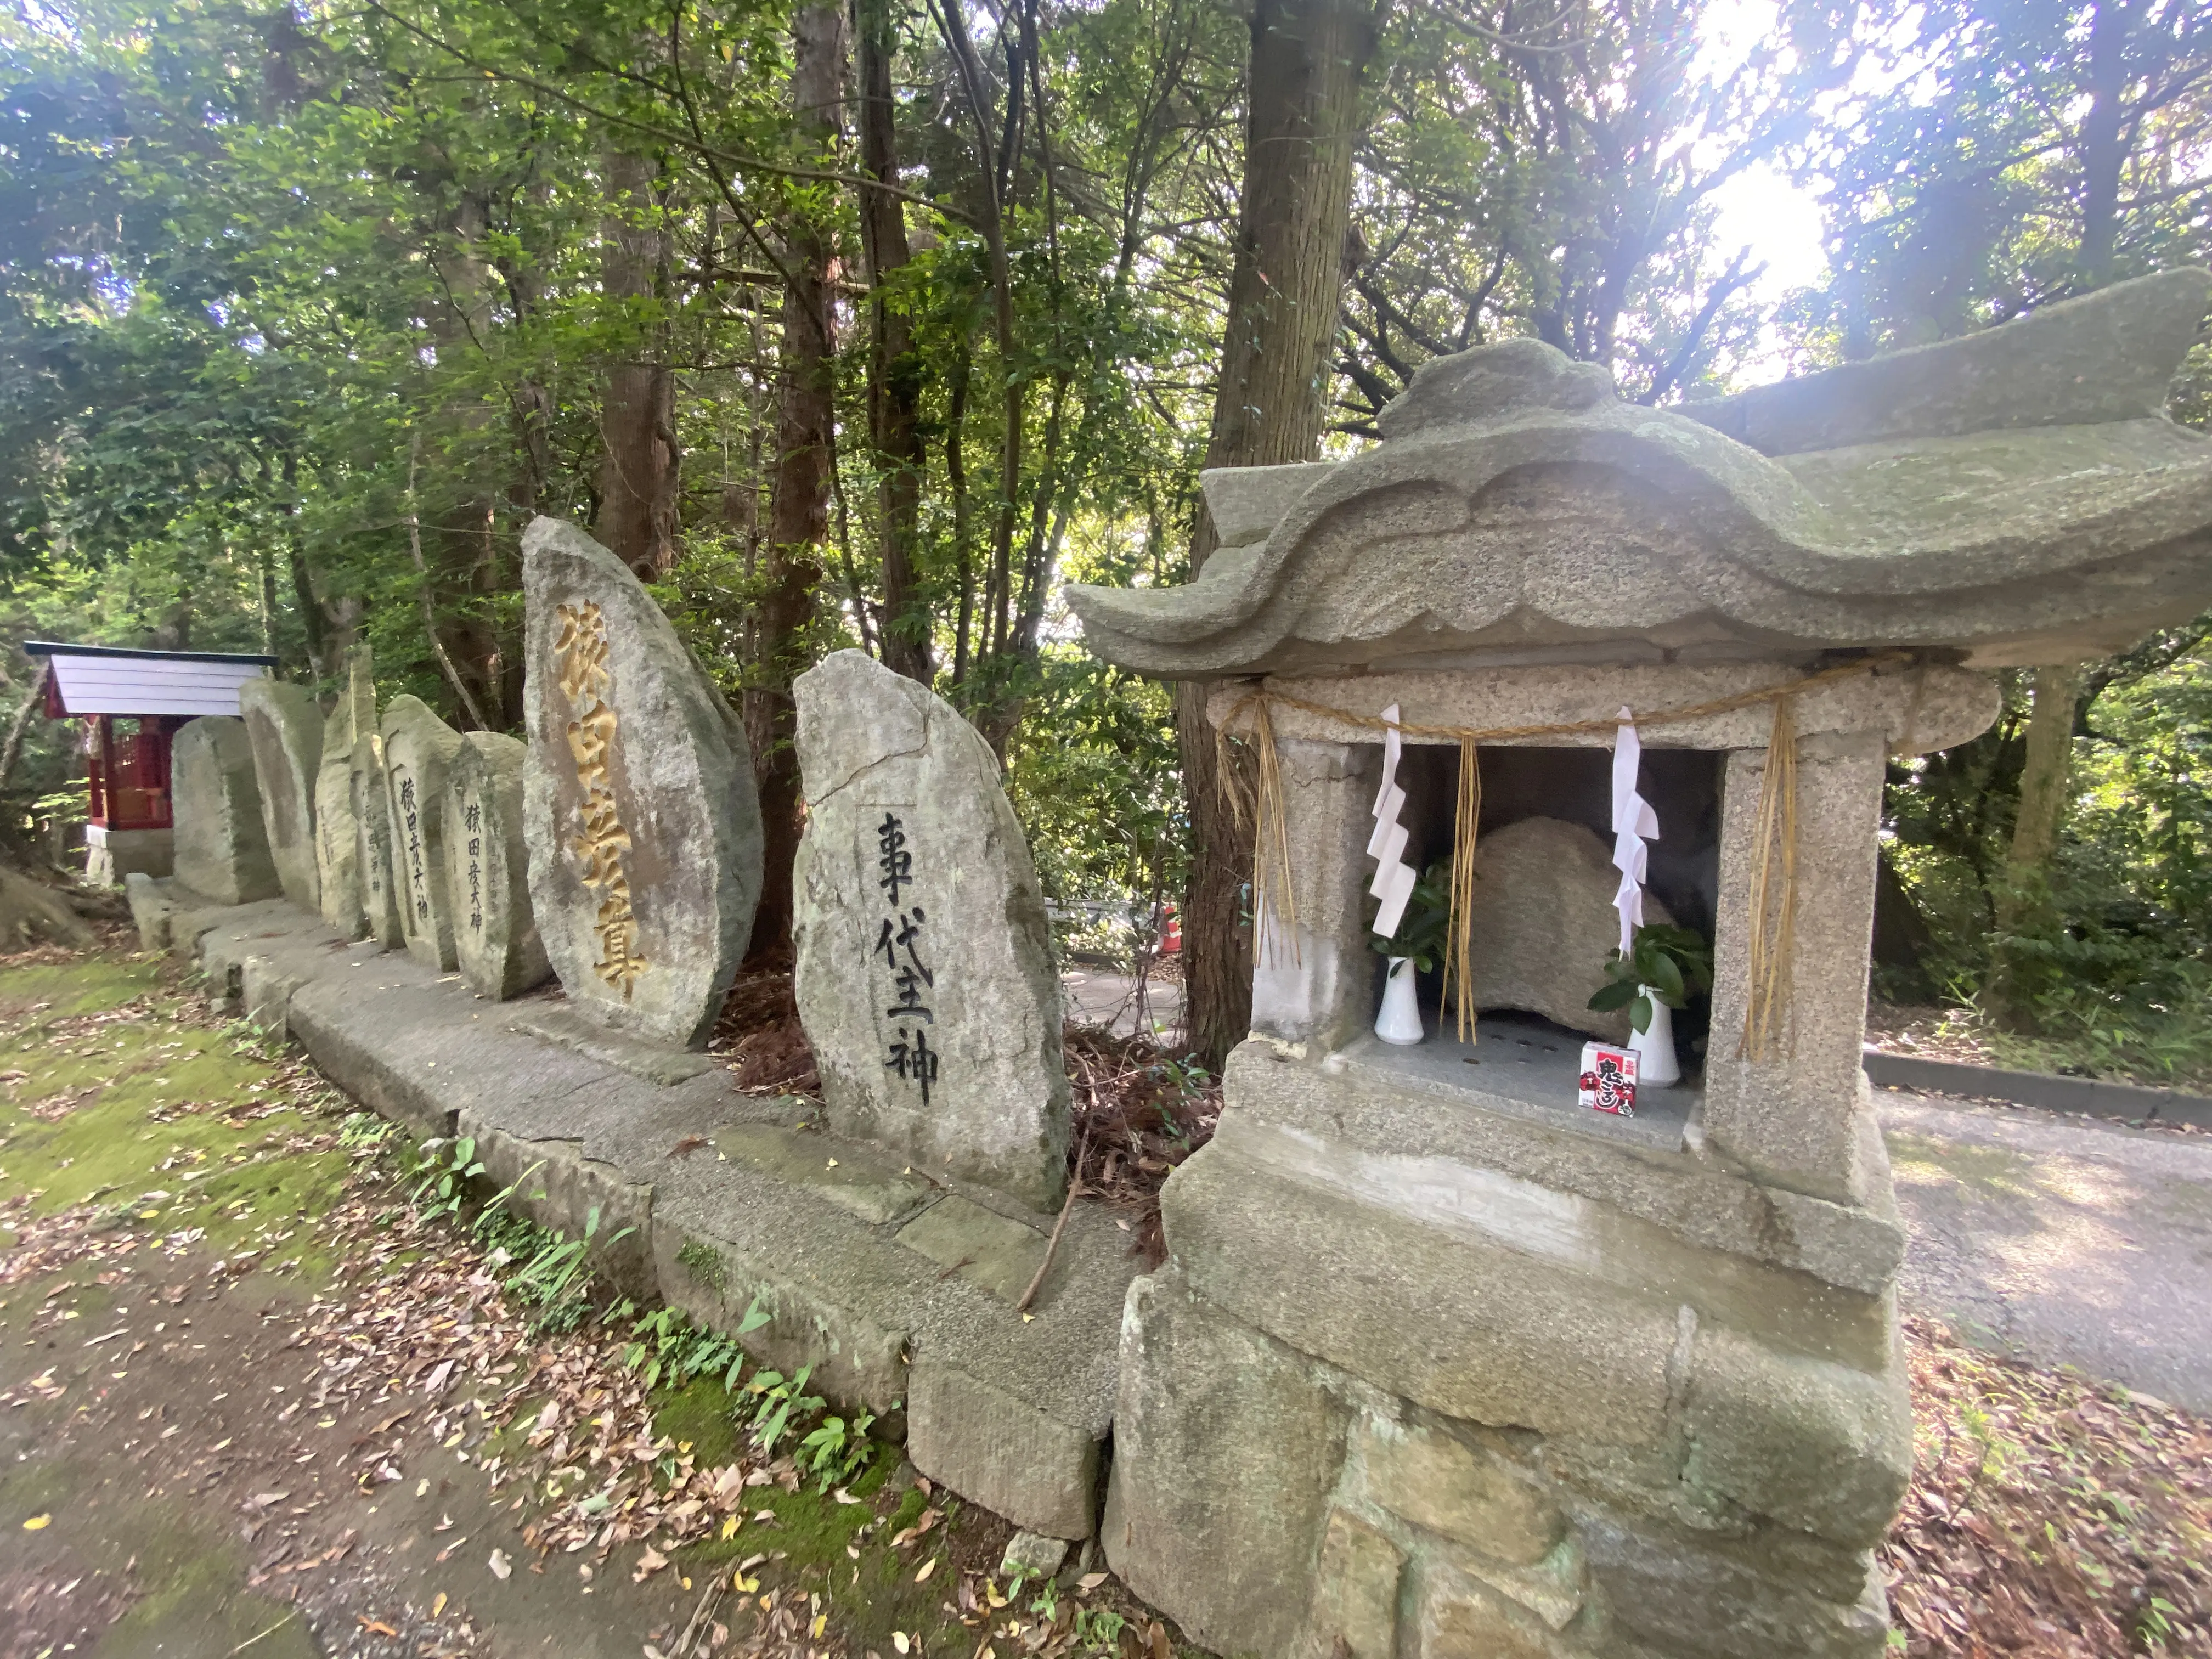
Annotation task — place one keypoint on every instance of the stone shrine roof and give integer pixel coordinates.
(2016, 496)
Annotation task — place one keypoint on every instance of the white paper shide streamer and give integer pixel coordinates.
(1394, 876)
(1634, 823)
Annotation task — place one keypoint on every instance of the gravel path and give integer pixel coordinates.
(2064, 1241)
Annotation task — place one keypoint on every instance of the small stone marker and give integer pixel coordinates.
(487, 869)
(1543, 924)
(924, 971)
(418, 750)
(337, 836)
(372, 805)
(286, 727)
(639, 809)
(221, 844)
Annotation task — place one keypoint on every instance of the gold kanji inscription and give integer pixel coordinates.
(581, 650)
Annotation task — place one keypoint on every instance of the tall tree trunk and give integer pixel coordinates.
(798, 518)
(894, 370)
(461, 524)
(1285, 292)
(2104, 145)
(637, 422)
(2023, 891)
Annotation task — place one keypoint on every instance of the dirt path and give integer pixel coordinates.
(254, 1400)
(175, 1476)
(2062, 1241)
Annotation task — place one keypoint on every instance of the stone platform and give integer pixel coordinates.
(897, 1286)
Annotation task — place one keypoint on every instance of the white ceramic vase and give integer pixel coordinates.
(1654, 1047)
(1400, 1021)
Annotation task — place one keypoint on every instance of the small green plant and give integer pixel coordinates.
(836, 1450)
(778, 1400)
(554, 1281)
(1426, 925)
(443, 1172)
(363, 1132)
(669, 1347)
(1672, 963)
(1046, 1604)
(1099, 1629)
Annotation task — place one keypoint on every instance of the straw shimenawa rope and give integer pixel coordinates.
(1459, 955)
(1774, 874)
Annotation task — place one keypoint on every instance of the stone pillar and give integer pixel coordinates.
(1316, 988)
(372, 807)
(488, 869)
(221, 844)
(418, 749)
(285, 726)
(338, 834)
(1794, 1119)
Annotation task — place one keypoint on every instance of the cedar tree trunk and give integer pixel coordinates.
(1285, 292)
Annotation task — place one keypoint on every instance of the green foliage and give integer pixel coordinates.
(836, 1450)
(442, 1171)
(776, 1401)
(1672, 963)
(2116, 957)
(1425, 927)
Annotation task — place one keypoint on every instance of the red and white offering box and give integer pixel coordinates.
(1608, 1079)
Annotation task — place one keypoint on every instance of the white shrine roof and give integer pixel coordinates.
(99, 679)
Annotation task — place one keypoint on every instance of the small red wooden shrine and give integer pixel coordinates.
(132, 703)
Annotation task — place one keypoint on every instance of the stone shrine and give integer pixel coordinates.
(419, 749)
(222, 843)
(286, 727)
(496, 940)
(1442, 1364)
(923, 966)
(639, 809)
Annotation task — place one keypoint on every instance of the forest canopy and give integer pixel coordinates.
(873, 324)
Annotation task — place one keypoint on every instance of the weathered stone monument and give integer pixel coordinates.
(419, 749)
(487, 869)
(337, 829)
(222, 843)
(372, 807)
(286, 728)
(924, 968)
(639, 809)
(1442, 1364)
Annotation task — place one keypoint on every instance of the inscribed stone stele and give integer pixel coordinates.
(639, 809)
(286, 727)
(418, 750)
(924, 968)
(495, 941)
(372, 807)
(221, 844)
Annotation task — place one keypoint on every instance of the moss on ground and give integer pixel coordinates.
(110, 1099)
(192, 1596)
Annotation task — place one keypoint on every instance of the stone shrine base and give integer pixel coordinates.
(897, 1287)
(112, 856)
